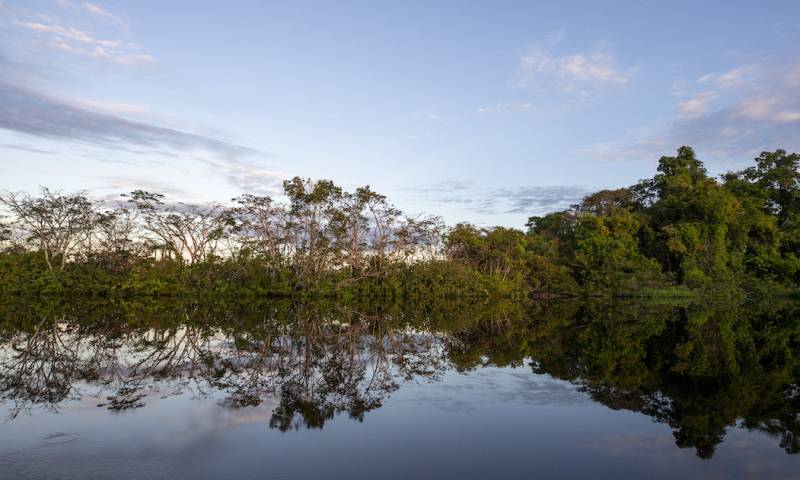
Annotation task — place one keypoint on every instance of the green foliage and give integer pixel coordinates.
(680, 228)
(607, 255)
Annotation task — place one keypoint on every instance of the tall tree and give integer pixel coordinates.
(263, 226)
(312, 206)
(778, 175)
(189, 231)
(59, 224)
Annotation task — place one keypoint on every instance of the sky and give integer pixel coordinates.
(487, 112)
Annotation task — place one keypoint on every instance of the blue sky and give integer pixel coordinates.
(481, 111)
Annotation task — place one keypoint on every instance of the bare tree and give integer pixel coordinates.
(321, 227)
(418, 238)
(262, 226)
(189, 231)
(312, 208)
(350, 229)
(59, 224)
(116, 230)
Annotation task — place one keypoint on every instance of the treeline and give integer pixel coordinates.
(322, 240)
(680, 228)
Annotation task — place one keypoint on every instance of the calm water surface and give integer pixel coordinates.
(560, 390)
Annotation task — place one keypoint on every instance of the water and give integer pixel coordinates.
(276, 391)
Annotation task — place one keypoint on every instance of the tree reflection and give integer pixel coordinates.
(316, 362)
(700, 370)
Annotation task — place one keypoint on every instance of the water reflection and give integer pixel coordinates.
(699, 370)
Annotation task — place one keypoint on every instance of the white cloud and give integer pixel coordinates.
(506, 107)
(767, 109)
(748, 111)
(697, 106)
(729, 79)
(576, 71)
(69, 33)
(96, 11)
(248, 175)
(737, 114)
(642, 149)
(105, 14)
(79, 42)
(787, 117)
(102, 53)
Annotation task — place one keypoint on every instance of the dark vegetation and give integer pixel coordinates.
(678, 233)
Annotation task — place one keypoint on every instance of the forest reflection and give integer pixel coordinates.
(699, 369)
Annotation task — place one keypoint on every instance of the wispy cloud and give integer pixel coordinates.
(68, 32)
(115, 108)
(530, 200)
(30, 112)
(735, 115)
(578, 72)
(428, 117)
(730, 78)
(102, 53)
(770, 109)
(696, 106)
(65, 38)
(120, 184)
(101, 12)
(33, 113)
(506, 107)
(96, 11)
(248, 176)
(26, 148)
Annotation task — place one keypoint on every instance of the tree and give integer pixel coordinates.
(189, 231)
(770, 196)
(604, 201)
(58, 224)
(115, 243)
(694, 218)
(607, 253)
(312, 206)
(262, 226)
(778, 175)
(350, 226)
(498, 251)
(115, 230)
(418, 238)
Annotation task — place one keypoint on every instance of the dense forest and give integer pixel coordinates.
(678, 233)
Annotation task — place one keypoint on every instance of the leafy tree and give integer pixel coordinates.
(694, 217)
(778, 176)
(606, 201)
(607, 254)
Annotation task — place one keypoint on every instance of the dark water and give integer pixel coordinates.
(559, 390)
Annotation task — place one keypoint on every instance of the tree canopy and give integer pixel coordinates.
(682, 227)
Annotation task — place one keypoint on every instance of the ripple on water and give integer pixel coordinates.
(59, 437)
